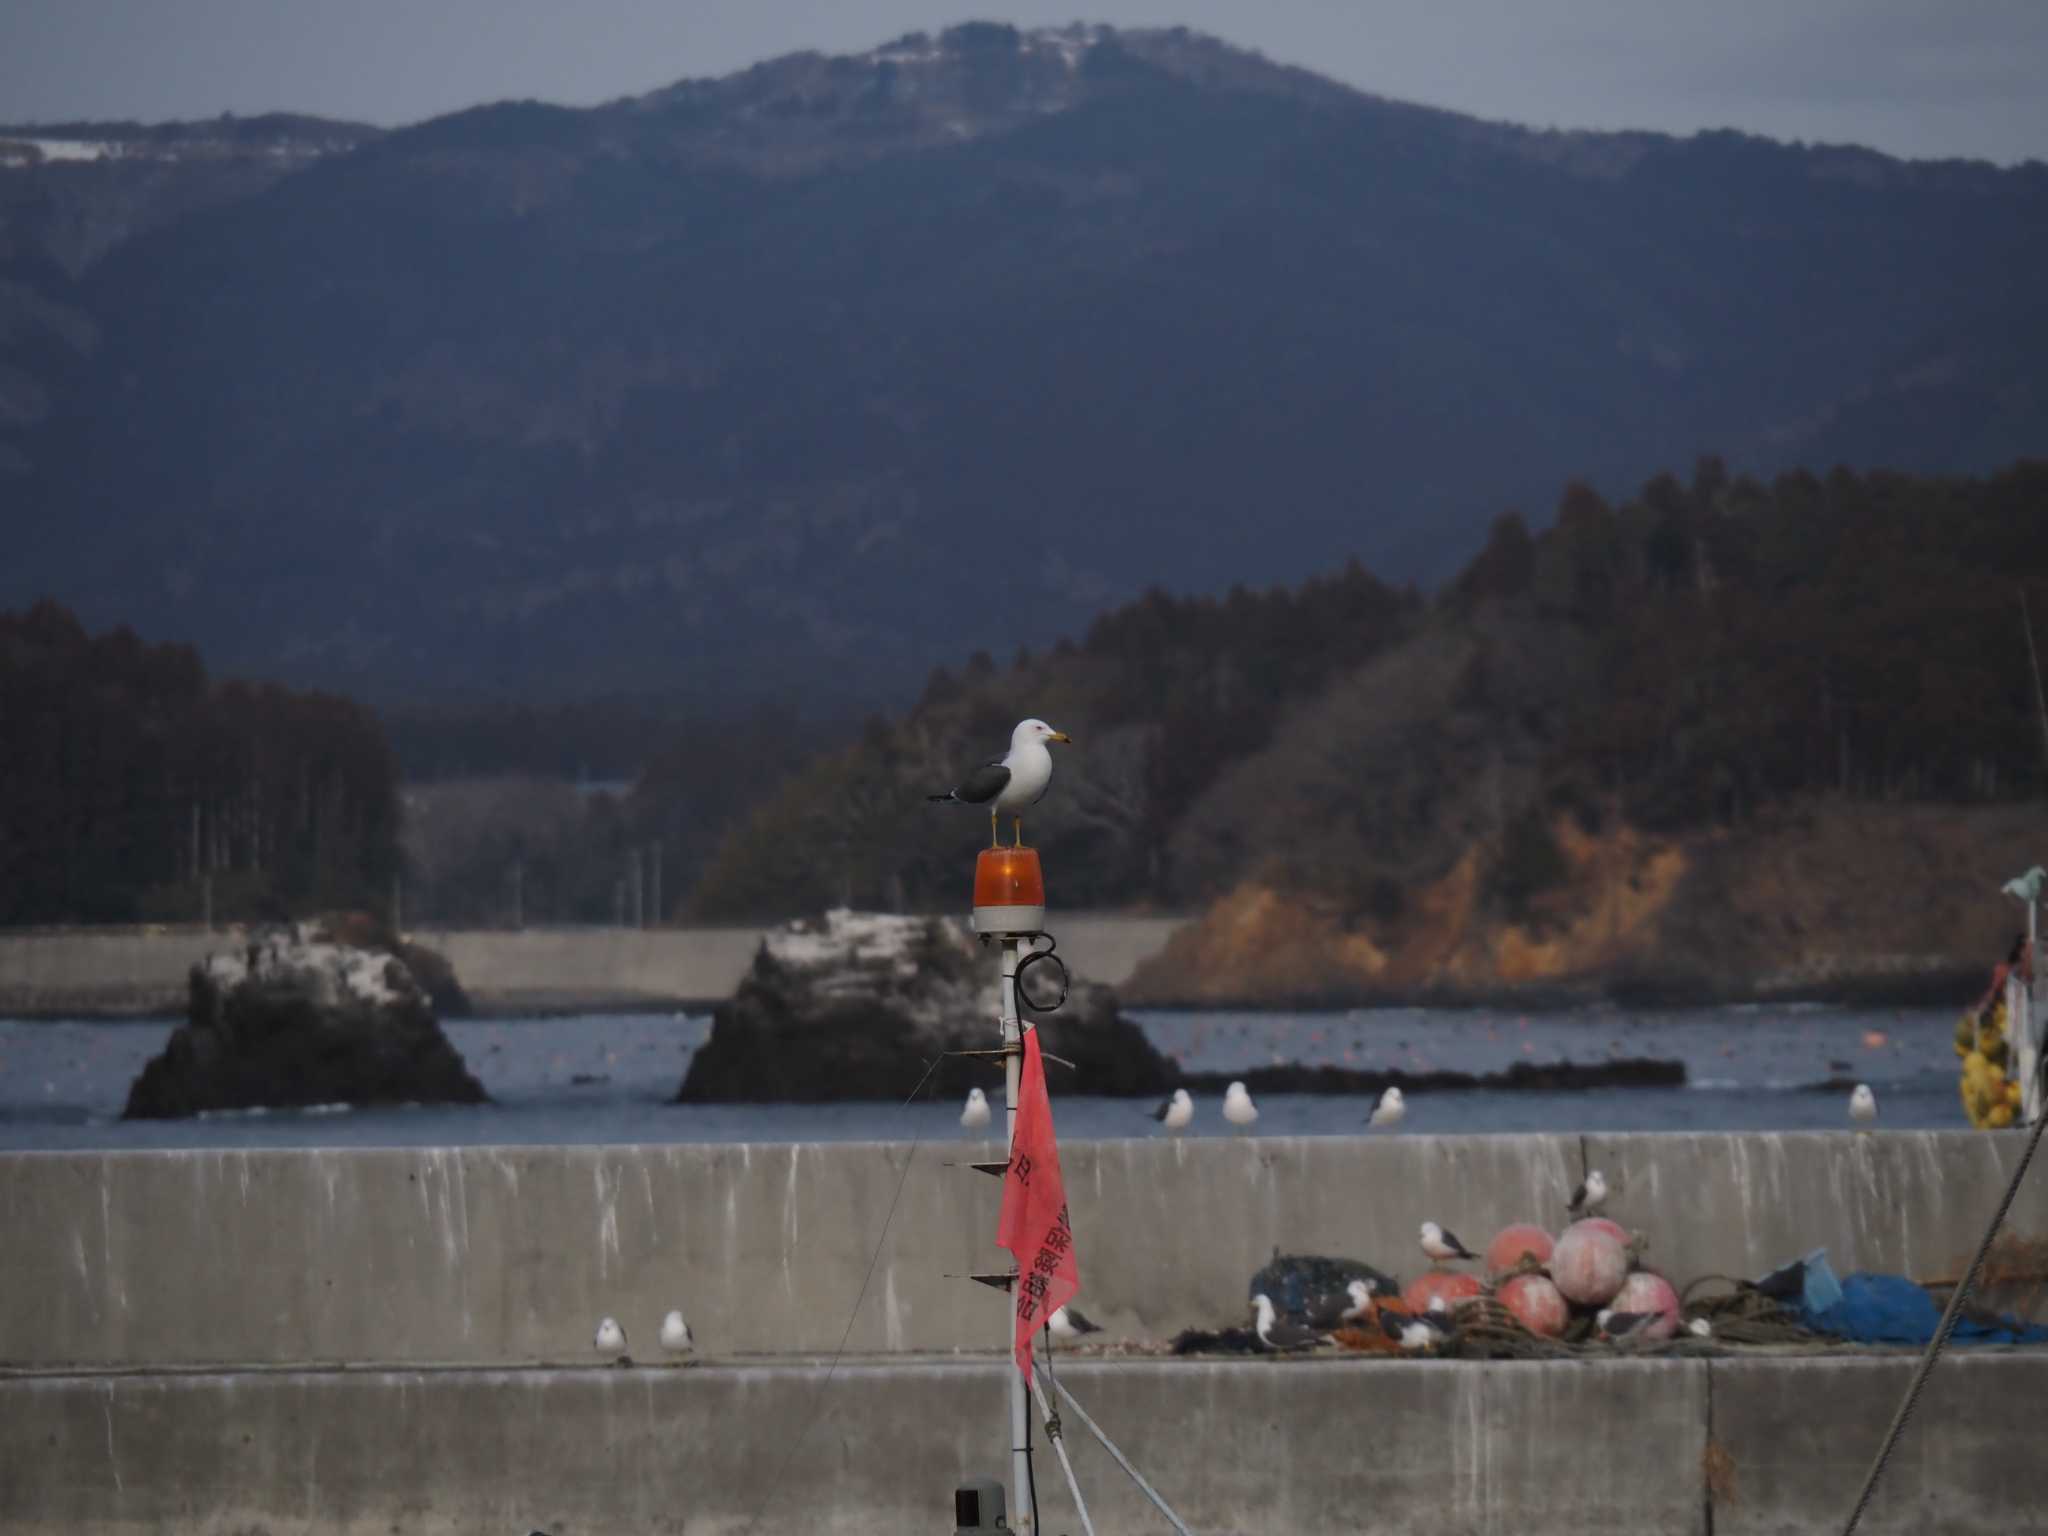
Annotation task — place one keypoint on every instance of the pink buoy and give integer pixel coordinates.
(1590, 1264)
(1620, 1232)
(1536, 1304)
(1449, 1284)
(1644, 1291)
(1511, 1244)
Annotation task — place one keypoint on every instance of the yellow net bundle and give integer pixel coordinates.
(1990, 1098)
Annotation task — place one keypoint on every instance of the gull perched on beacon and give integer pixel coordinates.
(975, 1115)
(1863, 1105)
(1176, 1112)
(1009, 783)
(1238, 1107)
(1390, 1108)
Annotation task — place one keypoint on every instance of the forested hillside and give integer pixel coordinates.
(1704, 656)
(129, 780)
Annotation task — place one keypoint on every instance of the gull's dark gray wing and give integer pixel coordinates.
(982, 785)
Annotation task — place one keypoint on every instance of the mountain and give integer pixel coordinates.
(795, 382)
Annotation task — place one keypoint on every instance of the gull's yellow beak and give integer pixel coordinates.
(1061, 736)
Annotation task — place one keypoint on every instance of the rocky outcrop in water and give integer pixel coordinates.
(858, 1006)
(294, 1019)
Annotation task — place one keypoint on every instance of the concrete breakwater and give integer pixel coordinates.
(489, 1256)
(361, 1341)
(81, 972)
(1762, 1447)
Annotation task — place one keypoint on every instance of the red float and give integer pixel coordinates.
(1505, 1253)
(1620, 1232)
(1590, 1264)
(1644, 1291)
(1537, 1304)
(1449, 1284)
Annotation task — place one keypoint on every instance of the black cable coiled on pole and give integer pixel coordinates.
(1035, 957)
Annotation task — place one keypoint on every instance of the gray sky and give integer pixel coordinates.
(1911, 77)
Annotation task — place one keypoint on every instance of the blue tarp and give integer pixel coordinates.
(1890, 1309)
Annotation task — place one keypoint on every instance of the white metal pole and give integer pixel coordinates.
(1020, 1403)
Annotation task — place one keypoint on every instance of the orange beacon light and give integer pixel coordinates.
(1009, 891)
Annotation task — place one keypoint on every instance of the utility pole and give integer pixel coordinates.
(656, 914)
(518, 894)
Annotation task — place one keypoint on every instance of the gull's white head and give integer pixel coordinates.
(1432, 1233)
(1236, 1091)
(1438, 1305)
(1391, 1098)
(1360, 1291)
(1600, 1318)
(1596, 1187)
(976, 1097)
(1035, 731)
(1180, 1097)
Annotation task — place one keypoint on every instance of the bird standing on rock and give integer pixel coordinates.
(1012, 781)
(1238, 1107)
(1443, 1246)
(1390, 1109)
(1589, 1196)
(1175, 1112)
(975, 1115)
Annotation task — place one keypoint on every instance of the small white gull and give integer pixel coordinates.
(975, 1115)
(1175, 1112)
(1068, 1324)
(1238, 1107)
(611, 1339)
(1390, 1108)
(1443, 1246)
(675, 1334)
(1275, 1334)
(1863, 1104)
(1589, 1196)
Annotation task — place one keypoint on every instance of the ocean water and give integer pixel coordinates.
(607, 1078)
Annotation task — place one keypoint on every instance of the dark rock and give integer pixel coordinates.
(858, 1006)
(295, 1020)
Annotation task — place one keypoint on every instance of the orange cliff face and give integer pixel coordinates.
(1820, 894)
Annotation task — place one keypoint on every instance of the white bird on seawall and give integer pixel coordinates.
(1016, 779)
(1390, 1108)
(1442, 1246)
(1238, 1107)
(675, 1334)
(1863, 1105)
(1176, 1112)
(1589, 1196)
(611, 1339)
(975, 1115)
(1068, 1324)
(1275, 1334)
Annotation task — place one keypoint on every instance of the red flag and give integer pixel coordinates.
(1034, 1225)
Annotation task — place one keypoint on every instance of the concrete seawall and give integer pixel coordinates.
(1608, 1448)
(508, 1256)
(133, 971)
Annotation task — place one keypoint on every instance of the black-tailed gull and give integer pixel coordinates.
(1016, 779)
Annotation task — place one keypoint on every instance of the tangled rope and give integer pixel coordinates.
(1745, 1315)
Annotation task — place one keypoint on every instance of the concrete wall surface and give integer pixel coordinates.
(127, 970)
(510, 1255)
(1276, 1448)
